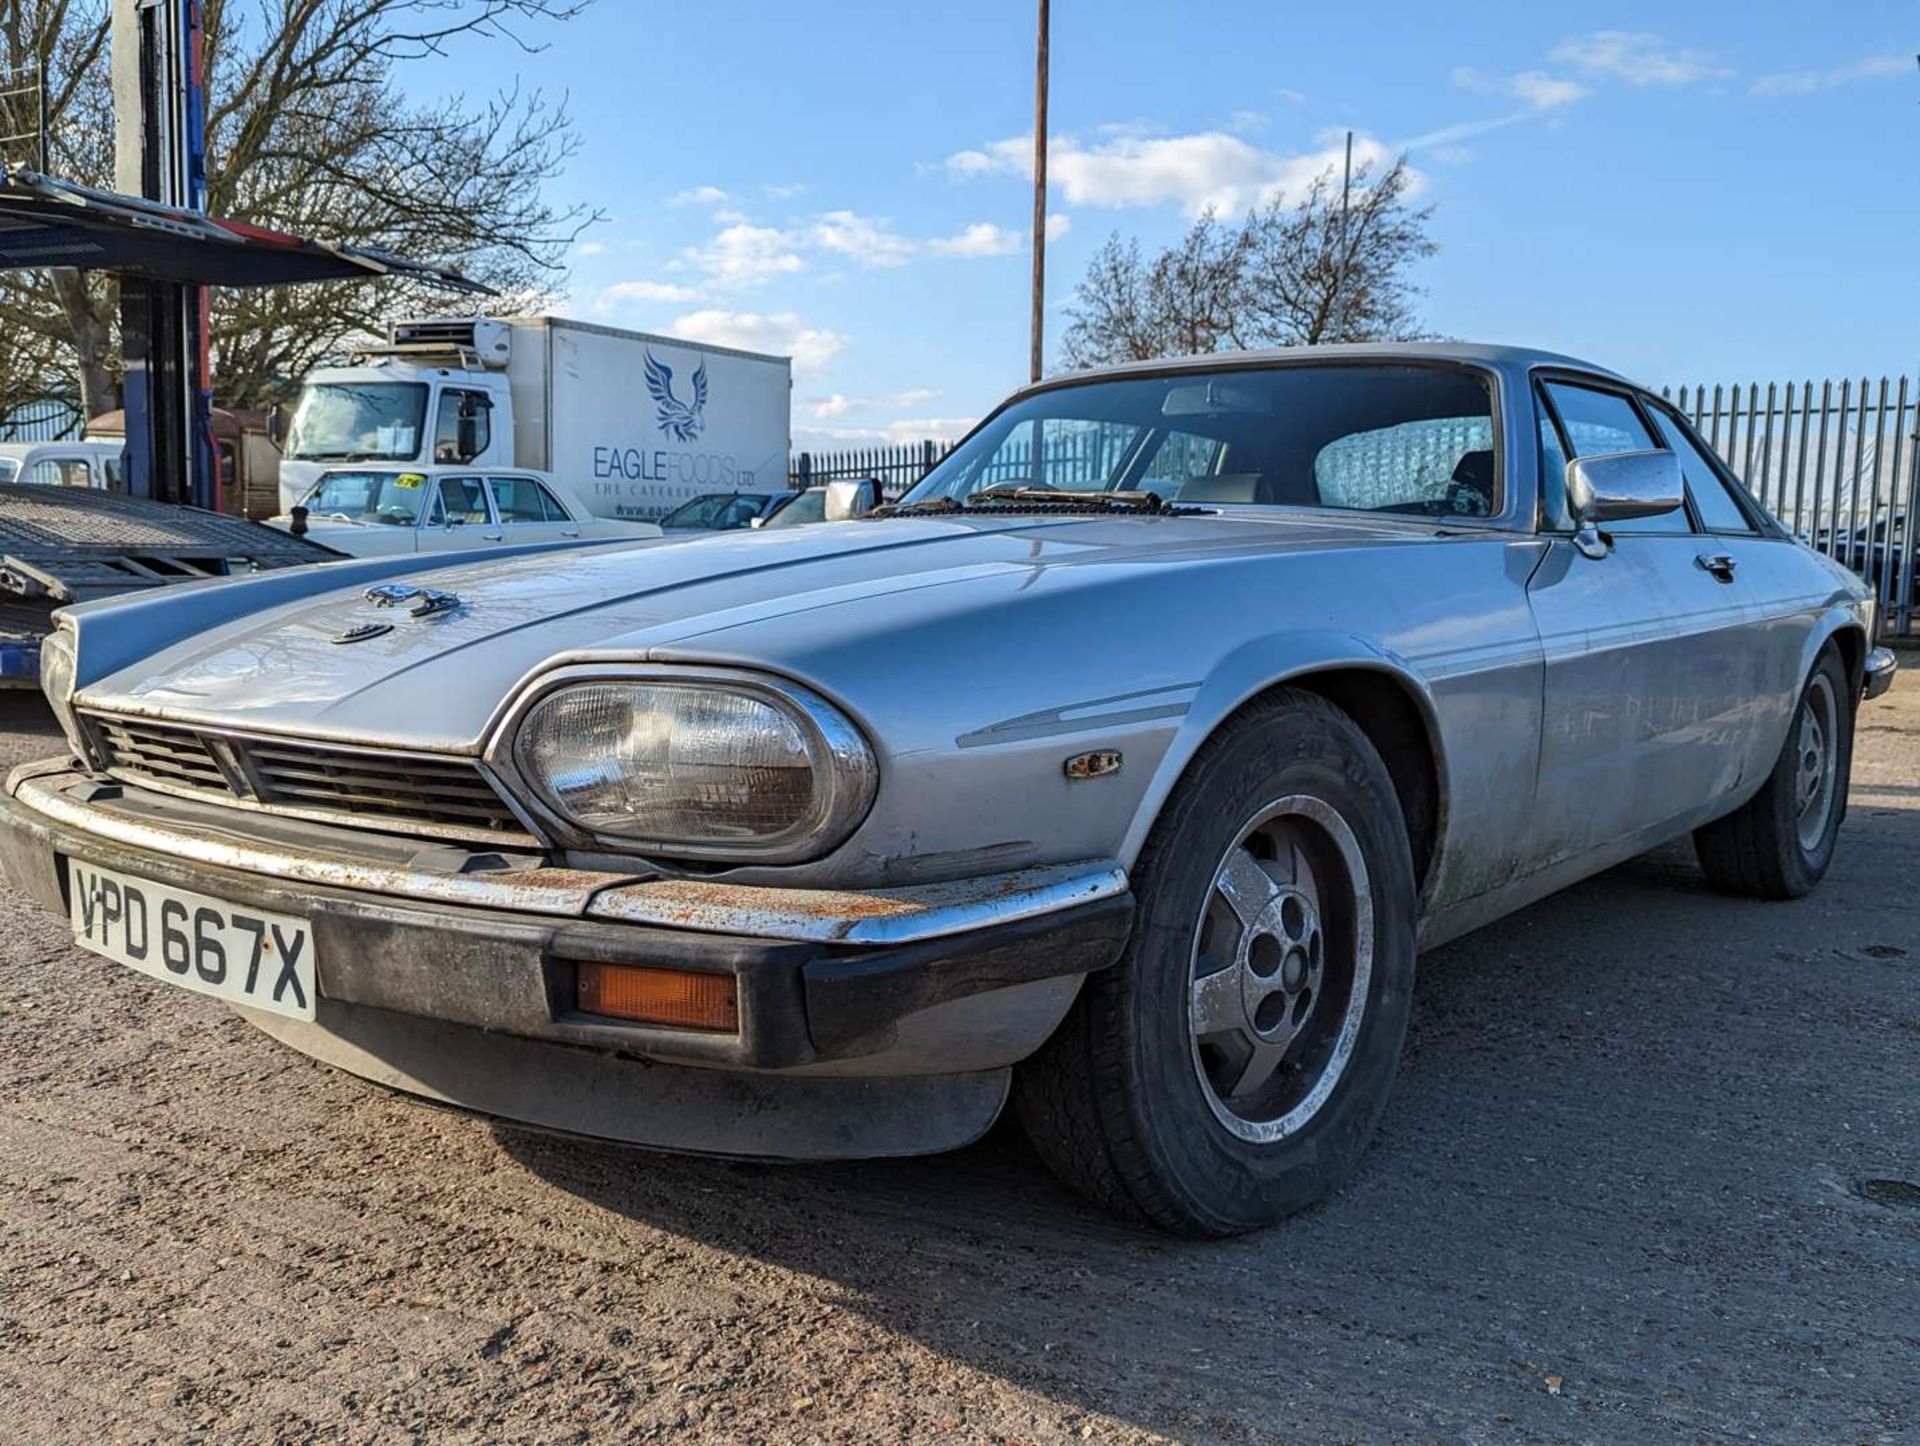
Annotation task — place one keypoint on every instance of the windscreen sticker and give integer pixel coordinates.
(410, 479)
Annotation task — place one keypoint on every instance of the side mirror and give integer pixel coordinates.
(297, 522)
(1621, 485)
(848, 499)
(1616, 486)
(756, 522)
(277, 426)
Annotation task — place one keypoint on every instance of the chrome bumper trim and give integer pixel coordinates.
(1879, 671)
(823, 916)
(867, 916)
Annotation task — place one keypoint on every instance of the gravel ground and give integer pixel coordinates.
(1617, 1197)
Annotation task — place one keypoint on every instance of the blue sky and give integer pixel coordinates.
(1721, 192)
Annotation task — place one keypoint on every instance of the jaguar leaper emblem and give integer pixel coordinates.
(683, 421)
(420, 602)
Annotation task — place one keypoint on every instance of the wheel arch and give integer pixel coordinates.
(1379, 691)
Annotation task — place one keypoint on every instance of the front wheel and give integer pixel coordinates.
(1779, 843)
(1231, 1068)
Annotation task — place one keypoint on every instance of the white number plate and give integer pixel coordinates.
(245, 956)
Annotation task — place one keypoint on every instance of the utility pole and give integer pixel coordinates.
(1039, 195)
(1340, 291)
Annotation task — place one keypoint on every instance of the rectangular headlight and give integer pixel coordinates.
(702, 767)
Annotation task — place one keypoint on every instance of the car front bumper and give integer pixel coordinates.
(1878, 673)
(870, 1023)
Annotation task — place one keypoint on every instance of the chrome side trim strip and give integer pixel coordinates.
(868, 916)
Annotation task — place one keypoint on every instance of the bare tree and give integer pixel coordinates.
(1289, 275)
(1186, 300)
(310, 129)
(1321, 272)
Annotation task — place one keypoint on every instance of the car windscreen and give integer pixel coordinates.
(800, 509)
(9, 468)
(716, 510)
(1387, 437)
(393, 498)
(358, 421)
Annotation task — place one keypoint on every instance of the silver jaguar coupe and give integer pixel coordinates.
(1119, 771)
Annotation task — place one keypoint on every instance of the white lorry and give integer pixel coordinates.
(634, 424)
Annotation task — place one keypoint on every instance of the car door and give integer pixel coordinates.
(1649, 662)
(1785, 589)
(461, 517)
(528, 511)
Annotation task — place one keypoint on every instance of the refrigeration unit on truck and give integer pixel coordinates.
(635, 424)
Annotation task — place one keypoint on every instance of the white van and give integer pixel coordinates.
(62, 464)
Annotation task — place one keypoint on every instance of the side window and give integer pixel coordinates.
(1712, 500)
(60, 472)
(463, 426)
(1180, 457)
(1554, 516)
(1596, 423)
(521, 499)
(462, 501)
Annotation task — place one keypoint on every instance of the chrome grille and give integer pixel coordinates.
(412, 793)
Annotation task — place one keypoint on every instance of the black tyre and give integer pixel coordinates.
(1230, 1069)
(1779, 843)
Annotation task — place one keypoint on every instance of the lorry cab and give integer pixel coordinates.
(395, 413)
(381, 511)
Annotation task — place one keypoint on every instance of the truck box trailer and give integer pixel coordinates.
(635, 423)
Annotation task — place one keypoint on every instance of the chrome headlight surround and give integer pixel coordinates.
(59, 665)
(845, 773)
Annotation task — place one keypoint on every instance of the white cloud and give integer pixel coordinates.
(1058, 224)
(785, 193)
(611, 297)
(700, 196)
(1207, 168)
(868, 240)
(903, 432)
(590, 248)
(982, 238)
(783, 334)
(1543, 91)
(744, 255)
(1804, 82)
(1535, 87)
(825, 409)
(1637, 58)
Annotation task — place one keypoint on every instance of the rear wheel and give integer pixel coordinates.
(1231, 1068)
(1779, 843)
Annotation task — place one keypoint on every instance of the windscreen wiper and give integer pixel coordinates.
(1142, 503)
(1016, 497)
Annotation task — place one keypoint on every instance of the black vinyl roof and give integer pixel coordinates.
(46, 222)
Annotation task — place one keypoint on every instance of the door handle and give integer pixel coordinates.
(569, 532)
(490, 536)
(1719, 564)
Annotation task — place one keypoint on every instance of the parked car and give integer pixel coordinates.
(857, 497)
(61, 464)
(1119, 771)
(378, 511)
(722, 512)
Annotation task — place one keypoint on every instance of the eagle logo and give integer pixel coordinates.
(683, 421)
